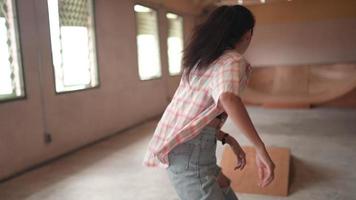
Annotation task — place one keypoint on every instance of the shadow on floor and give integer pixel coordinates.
(304, 174)
(82, 162)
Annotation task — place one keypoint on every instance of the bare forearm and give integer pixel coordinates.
(237, 112)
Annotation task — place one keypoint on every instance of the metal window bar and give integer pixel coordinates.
(78, 13)
(8, 11)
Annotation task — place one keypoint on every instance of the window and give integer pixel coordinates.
(175, 43)
(73, 44)
(149, 64)
(11, 78)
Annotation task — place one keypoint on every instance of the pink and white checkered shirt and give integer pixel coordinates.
(193, 106)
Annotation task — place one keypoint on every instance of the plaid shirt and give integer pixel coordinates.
(193, 106)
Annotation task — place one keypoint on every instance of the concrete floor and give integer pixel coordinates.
(322, 143)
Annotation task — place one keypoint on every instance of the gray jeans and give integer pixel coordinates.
(193, 169)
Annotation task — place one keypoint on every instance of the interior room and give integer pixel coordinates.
(84, 84)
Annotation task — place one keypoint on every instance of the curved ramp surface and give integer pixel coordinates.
(299, 86)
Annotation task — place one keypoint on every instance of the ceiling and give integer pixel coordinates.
(204, 3)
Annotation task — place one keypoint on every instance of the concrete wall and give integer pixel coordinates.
(304, 32)
(77, 118)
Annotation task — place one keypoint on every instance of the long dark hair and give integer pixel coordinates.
(223, 28)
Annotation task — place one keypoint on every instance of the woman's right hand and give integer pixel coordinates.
(265, 167)
(236, 110)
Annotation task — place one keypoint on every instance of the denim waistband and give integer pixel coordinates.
(207, 133)
(209, 129)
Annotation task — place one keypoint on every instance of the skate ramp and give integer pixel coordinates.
(299, 86)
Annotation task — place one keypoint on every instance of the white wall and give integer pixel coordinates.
(303, 32)
(329, 41)
(78, 118)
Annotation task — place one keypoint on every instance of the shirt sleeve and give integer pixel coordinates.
(227, 77)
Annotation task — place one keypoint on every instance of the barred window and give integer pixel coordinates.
(149, 64)
(73, 44)
(11, 75)
(175, 43)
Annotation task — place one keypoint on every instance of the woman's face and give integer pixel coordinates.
(248, 38)
(244, 43)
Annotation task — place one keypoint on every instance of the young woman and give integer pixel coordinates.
(214, 75)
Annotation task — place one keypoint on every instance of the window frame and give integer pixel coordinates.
(156, 9)
(183, 37)
(96, 55)
(12, 97)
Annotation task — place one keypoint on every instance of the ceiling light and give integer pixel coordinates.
(139, 8)
(263, 1)
(240, 2)
(171, 16)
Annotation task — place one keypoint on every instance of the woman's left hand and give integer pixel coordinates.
(239, 152)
